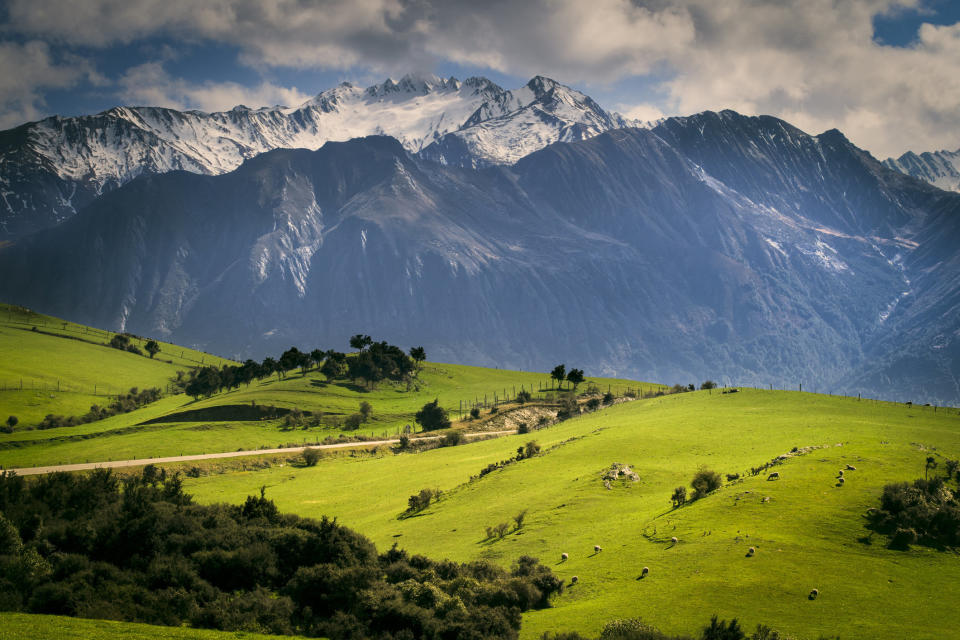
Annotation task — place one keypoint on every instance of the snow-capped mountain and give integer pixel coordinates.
(52, 168)
(713, 246)
(939, 168)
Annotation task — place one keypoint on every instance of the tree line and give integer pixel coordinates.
(139, 549)
(372, 363)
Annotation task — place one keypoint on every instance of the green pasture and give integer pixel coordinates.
(809, 534)
(22, 626)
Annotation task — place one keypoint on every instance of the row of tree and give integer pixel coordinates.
(373, 362)
(573, 376)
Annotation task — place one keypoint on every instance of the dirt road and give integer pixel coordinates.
(112, 464)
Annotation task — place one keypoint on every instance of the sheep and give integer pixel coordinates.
(564, 557)
(765, 499)
(840, 473)
(774, 476)
(674, 540)
(750, 552)
(813, 594)
(574, 580)
(597, 548)
(840, 481)
(644, 572)
(850, 467)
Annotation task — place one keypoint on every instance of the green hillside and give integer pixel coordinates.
(21, 626)
(242, 418)
(809, 534)
(49, 365)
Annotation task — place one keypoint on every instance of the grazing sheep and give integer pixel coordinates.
(597, 548)
(840, 481)
(574, 580)
(643, 574)
(564, 557)
(674, 540)
(774, 476)
(765, 499)
(813, 594)
(850, 467)
(840, 473)
(750, 552)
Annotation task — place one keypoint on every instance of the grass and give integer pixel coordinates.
(20, 626)
(810, 534)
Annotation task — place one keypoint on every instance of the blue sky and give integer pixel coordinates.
(883, 72)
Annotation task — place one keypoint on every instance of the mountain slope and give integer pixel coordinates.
(52, 168)
(713, 246)
(939, 168)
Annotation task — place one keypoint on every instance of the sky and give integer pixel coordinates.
(885, 72)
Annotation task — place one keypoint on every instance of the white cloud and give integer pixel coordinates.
(645, 112)
(813, 62)
(150, 84)
(28, 70)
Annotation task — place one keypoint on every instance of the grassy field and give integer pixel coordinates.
(187, 426)
(809, 534)
(63, 368)
(18, 626)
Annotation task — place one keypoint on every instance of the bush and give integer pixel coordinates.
(523, 428)
(524, 396)
(432, 416)
(593, 404)
(420, 501)
(679, 496)
(925, 512)
(366, 410)
(475, 412)
(529, 450)
(494, 409)
(705, 481)
(451, 439)
(608, 398)
(543, 421)
(501, 529)
(353, 422)
(404, 442)
(311, 456)
(708, 384)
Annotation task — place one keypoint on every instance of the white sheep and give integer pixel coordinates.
(574, 580)
(750, 552)
(813, 594)
(644, 572)
(564, 557)
(674, 540)
(597, 548)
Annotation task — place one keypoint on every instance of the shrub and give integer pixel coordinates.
(404, 442)
(593, 404)
(925, 512)
(494, 409)
(679, 497)
(723, 630)
(523, 428)
(705, 481)
(452, 439)
(568, 406)
(543, 421)
(529, 450)
(12, 421)
(353, 421)
(608, 398)
(501, 529)
(523, 396)
(365, 410)
(420, 501)
(475, 412)
(519, 518)
(708, 384)
(311, 456)
(432, 416)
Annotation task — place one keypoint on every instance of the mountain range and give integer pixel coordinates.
(939, 168)
(540, 229)
(51, 169)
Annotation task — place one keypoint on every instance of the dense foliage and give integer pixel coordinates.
(926, 511)
(138, 549)
(123, 403)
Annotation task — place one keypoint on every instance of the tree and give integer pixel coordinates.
(709, 384)
(704, 482)
(432, 416)
(12, 421)
(311, 456)
(679, 497)
(360, 342)
(523, 396)
(152, 348)
(316, 357)
(366, 410)
(930, 466)
(335, 366)
(291, 359)
(722, 630)
(418, 354)
(575, 377)
(559, 373)
(519, 518)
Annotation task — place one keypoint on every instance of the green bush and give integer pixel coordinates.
(311, 456)
(432, 416)
(705, 481)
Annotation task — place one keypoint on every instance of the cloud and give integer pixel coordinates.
(813, 62)
(150, 84)
(28, 70)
